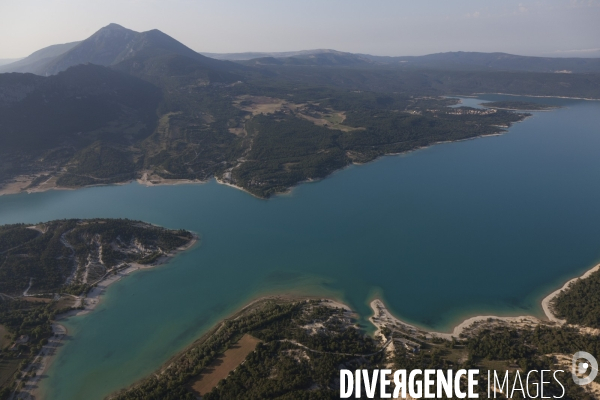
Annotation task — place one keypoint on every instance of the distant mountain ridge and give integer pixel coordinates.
(493, 61)
(123, 105)
(114, 44)
(315, 58)
(38, 59)
(4, 61)
(449, 60)
(76, 107)
(109, 46)
(253, 55)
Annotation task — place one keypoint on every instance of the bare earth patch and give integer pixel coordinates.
(223, 365)
(268, 105)
(332, 120)
(5, 339)
(32, 299)
(260, 104)
(19, 184)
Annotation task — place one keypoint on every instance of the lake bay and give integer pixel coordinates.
(489, 225)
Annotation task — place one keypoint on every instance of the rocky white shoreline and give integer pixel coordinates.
(382, 317)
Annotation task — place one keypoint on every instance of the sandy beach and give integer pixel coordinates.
(46, 355)
(20, 184)
(546, 303)
(383, 317)
(529, 95)
(41, 363)
(220, 182)
(149, 179)
(14, 187)
(91, 301)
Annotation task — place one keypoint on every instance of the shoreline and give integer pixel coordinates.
(41, 363)
(220, 182)
(530, 95)
(383, 316)
(8, 189)
(46, 356)
(232, 316)
(21, 182)
(93, 296)
(159, 181)
(290, 190)
(547, 301)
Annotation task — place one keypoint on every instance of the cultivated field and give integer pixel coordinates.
(222, 366)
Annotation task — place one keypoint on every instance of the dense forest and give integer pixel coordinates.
(43, 256)
(295, 360)
(45, 268)
(31, 318)
(580, 304)
(169, 113)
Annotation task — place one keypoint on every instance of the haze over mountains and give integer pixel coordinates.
(450, 60)
(124, 105)
(114, 44)
(108, 46)
(36, 61)
(4, 61)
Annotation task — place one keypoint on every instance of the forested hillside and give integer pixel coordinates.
(580, 304)
(48, 268)
(304, 344)
(52, 256)
(156, 110)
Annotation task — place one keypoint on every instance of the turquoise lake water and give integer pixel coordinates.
(481, 226)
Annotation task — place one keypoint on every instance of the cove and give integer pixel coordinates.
(489, 225)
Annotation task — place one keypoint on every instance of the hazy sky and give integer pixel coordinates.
(381, 27)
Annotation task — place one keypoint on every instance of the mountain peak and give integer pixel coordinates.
(113, 44)
(114, 30)
(114, 26)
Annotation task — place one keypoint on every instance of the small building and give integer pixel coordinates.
(22, 339)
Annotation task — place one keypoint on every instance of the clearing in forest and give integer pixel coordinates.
(223, 365)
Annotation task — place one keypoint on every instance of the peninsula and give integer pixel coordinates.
(518, 105)
(279, 346)
(163, 113)
(60, 268)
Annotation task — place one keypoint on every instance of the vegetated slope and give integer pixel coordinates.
(253, 55)
(492, 61)
(318, 58)
(580, 303)
(195, 117)
(4, 61)
(47, 269)
(111, 111)
(70, 106)
(459, 60)
(113, 44)
(211, 126)
(293, 145)
(433, 82)
(54, 117)
(38, 59)
(305, 344)
(84, 250)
